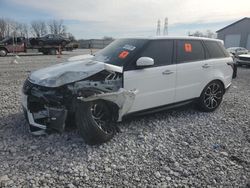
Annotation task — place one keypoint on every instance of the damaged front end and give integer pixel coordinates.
(45, 108)
(49, 108)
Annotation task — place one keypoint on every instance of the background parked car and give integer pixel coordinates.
(243, 59)
(12, 45)
(237, 51)
(50, 39)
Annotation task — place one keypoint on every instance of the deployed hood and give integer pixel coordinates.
(69, 72)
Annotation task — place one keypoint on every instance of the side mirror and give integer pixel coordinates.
(145, 62)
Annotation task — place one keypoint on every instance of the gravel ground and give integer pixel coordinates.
(176, 148)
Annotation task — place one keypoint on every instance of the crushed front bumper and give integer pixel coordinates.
(48, 118)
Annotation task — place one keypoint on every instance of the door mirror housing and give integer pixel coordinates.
(145, 62)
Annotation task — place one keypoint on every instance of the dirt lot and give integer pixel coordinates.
(181, 147)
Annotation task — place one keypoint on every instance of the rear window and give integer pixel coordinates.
(189, 50)
(216, 49)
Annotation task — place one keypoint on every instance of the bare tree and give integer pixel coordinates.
(3, 26)
(211, 34)
(57, 27)
(208, 34)
(38, 28)
(71, 37)
(7, 27)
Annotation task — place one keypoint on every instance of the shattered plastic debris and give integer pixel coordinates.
(123, 98)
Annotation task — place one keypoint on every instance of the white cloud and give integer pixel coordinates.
(120, 15)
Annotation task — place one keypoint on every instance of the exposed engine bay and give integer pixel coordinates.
(49, 108)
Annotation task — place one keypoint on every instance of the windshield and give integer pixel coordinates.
(120, 51)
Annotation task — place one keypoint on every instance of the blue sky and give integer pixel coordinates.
(117, 18)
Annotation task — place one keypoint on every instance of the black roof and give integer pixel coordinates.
(246, 18)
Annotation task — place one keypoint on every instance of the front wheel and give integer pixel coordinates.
(3, 52)
(94, 121)
(211, 96)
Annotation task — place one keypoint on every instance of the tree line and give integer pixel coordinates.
(36, 28)
(208, 34)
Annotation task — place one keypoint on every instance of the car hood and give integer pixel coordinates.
(80, 57)
(245, 55)
(69, 72)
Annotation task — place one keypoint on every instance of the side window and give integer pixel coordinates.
(160, 50)
(189, 50)
(19, 40)
(10, 41)
(215, 49)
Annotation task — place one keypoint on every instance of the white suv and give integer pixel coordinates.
(130, 76)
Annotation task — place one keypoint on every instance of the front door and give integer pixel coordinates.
(155, 85)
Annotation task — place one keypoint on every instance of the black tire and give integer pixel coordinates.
(40, 43)
(94, 129)
(211, 96)
(45, 52)
(3, 52)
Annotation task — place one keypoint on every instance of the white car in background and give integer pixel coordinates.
(237, 51)
(129, 76)
(243, 59)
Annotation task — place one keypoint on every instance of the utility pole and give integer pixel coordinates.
(158, 31)
(165, 30)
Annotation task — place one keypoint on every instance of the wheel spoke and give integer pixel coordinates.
(214, 103)
(208, 91)
(100, 116)
(218, 95)
(216, 88)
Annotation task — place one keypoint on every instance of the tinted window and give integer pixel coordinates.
(160, 50)
(189, 50)
(215, 49)
(18, 40)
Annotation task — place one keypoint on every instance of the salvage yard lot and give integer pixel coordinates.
(172, 148)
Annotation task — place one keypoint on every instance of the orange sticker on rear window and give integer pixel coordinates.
(123, 54)
(188, 47)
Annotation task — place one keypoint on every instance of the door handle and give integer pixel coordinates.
(205, 66)
(167, 72)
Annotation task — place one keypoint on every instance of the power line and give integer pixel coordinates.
(165, 30)
(158, 31)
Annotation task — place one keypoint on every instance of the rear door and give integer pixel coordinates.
(155, 84)
(192, 69)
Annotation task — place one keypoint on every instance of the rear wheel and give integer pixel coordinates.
(94, 121)
(3, 52)
(211, 96)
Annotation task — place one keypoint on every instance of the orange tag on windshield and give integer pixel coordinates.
(123, 54)
(188, 47)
